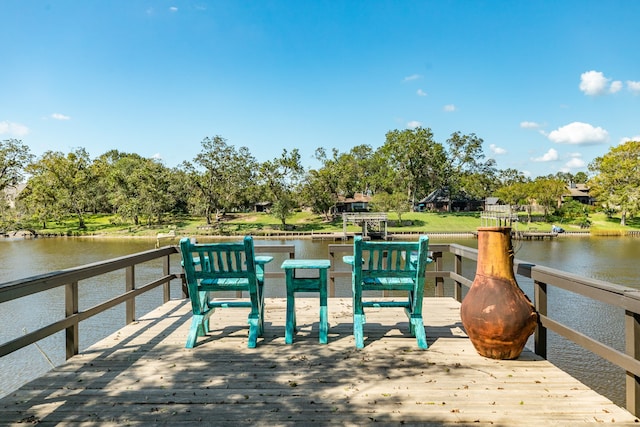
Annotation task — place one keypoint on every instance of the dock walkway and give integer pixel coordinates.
(143, 375)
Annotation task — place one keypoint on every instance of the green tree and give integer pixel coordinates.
(511, 176)
(617, 180)
(38, 201)
(119, 173)
(517, 194)
(381, 202)
(548, 193)
(155, 199)
(580, 178)
(14, 157)
(224, 177)
(354, 171)
(414, 161)
(281, 178)
(464, 157)
(181, 189)
(64, 180)
(396, 202)
(482, 183)
(319, 192)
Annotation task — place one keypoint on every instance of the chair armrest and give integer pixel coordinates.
(348, 259)
(263, 259)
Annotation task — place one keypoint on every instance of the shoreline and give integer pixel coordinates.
(288, 235)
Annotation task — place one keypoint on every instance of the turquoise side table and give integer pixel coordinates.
(306, 284)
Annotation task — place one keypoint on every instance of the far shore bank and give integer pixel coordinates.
(163, 240)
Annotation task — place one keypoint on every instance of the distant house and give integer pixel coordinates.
(262, 207)
(358, 203)
(580, 192)
(440, 201)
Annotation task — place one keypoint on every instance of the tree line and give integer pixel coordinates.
(224, 178)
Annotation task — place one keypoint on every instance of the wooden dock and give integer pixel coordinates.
(143, 375)
(534, 235)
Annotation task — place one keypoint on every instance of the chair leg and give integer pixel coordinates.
(254, 331)
(261, 324)
(261, 307)
(417, 330)
(196, 330)
(290, 322)
(358, 329)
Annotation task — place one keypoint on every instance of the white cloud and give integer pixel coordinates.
(627, 139)
(157, 156)
(549, 156)
(412, 77)
(497, 150)
(529, 125)
(414, 124)
(633, 87)
(421, 92)
(579, 133)
(14, 129)
(575, 163)
(173, 9)
(594, 83)
(615, 86)
(449, 108)
(59, 116)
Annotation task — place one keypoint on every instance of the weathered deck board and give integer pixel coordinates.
(143, 375)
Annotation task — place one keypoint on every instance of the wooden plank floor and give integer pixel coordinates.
(143, 375)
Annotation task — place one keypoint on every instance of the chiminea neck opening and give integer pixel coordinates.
(495, 253)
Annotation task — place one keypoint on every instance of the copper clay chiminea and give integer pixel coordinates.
(496, 314)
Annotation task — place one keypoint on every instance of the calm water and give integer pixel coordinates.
(610, 259)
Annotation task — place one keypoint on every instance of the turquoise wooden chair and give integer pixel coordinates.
(389, 266)
(217, 267)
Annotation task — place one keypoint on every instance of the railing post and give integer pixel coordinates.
(439, 260)
(166, 269)
(332, 277)
(71, 308)
(457, 289)
(632, 344)
(130, 304)
(540, 304)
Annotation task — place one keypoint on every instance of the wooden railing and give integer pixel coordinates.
(70, 278)
(625, 298)
(622, 297)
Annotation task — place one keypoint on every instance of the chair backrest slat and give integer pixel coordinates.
(387, 259)
(218, 260)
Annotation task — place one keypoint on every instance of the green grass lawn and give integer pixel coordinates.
(257, 223)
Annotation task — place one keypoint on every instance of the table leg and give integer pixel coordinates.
(290, 324)
(324, 322)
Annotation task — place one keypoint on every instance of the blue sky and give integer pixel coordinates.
(548, 85)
